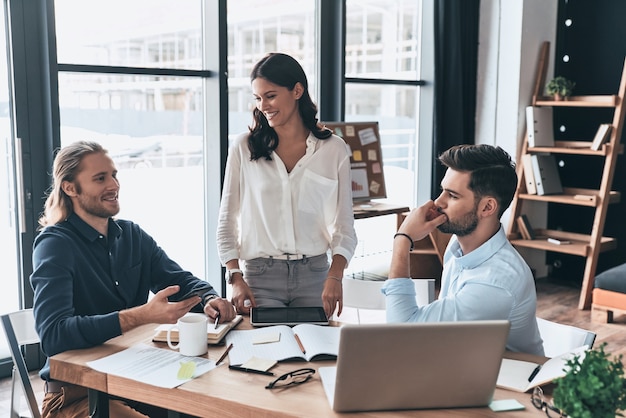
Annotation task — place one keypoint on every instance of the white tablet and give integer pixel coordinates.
(288, 316)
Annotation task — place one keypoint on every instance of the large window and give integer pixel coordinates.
(382, 80)
(382, 58)
(153, 82)
(256, 28)
(152, 124)
(382, 83)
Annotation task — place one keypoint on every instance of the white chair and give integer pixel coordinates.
(560, 338)
(366, 295)
(19, 327)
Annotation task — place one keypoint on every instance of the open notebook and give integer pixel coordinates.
(415, 366)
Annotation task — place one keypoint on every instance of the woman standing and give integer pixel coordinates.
(287, 199)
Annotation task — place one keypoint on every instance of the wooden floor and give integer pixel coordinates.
(555, 302)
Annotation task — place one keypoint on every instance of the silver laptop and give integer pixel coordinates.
(415, 366)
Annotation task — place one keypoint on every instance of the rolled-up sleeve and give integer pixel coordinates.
(468, 304)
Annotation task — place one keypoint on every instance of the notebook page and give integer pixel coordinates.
(244, 347)
(318, 339)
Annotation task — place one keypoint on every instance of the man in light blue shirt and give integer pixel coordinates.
(484, 277)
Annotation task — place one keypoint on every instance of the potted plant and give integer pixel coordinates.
(560, 88)
(593, 387)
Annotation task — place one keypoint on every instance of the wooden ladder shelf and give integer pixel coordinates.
(589, 245)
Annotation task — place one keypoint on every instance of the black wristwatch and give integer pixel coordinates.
(229, 275)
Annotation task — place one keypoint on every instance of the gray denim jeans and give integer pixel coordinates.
(277, 283)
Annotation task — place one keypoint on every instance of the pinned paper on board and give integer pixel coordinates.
(374, 187)
(367, 136)
(359, 183)
(366, 162)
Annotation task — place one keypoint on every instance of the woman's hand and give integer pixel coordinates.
(243, 299)
(332, 296)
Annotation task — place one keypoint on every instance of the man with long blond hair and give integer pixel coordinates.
(92, 275)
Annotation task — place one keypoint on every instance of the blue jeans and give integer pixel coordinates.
(277, 283)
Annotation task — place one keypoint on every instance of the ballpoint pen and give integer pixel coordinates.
(245, 369)
(217, 318)
(534, 373)
(224, 354)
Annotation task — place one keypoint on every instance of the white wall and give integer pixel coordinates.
(511, 33)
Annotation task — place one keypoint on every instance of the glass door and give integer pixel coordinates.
(9, 230)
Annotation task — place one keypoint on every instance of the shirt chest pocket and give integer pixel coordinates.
(318, 194)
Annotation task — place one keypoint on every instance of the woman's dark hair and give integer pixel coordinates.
(282, 70)
(492, 172)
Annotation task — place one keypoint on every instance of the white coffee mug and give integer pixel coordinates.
(192, 335)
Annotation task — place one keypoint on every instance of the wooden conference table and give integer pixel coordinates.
(226, 393)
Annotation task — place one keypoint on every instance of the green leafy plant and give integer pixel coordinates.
(560, 87)
(593, 387)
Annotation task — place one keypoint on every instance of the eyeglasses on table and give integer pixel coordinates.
(539, 402)
(295, 377)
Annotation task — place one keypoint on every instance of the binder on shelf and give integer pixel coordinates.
(525, 229)
(540, 126)
(602, 135)
(529, 177)
(547, 179)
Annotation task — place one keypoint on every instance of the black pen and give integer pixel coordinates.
(534, 373)
(244, 369)
(217, 318)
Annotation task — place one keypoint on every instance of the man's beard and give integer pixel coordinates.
(462, 227)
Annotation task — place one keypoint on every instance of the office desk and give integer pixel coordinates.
(365, 210)
(225, 393)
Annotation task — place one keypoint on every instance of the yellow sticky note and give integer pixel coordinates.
(186, 371)
(357, 155)
(270, 337)
(257, 363)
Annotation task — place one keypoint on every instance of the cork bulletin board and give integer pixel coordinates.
(368, 181)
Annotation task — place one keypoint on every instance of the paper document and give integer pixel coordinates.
(151, 365)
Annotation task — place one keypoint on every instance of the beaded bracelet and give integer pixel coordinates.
(401, 234)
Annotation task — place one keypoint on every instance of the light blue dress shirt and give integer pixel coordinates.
(491, 282)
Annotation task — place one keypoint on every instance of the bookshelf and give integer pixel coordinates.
(587, 245)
